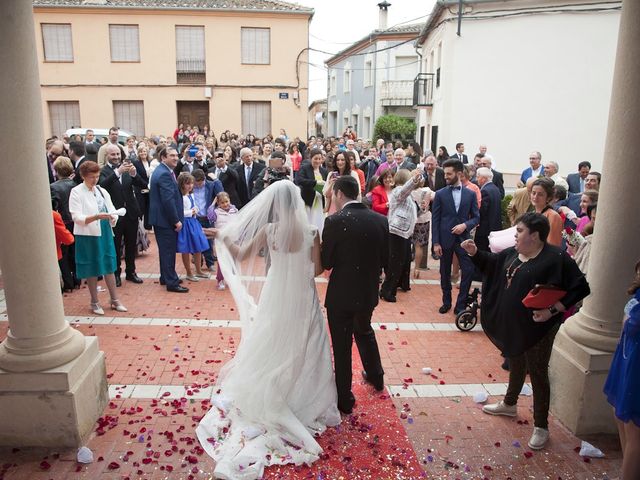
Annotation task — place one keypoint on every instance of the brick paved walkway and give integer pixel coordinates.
(164, 354)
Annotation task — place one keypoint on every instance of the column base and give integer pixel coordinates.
(56, 407)
(577, 374)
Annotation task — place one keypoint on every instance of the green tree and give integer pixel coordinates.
(393, 127)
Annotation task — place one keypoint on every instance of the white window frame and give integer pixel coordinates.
(190, 52)
(368, 72)
(129, 115)
(255, 45)
(332, 83)
(124, 43)
(63, 115)
(256, 117)
(57, 42)
(346, 78)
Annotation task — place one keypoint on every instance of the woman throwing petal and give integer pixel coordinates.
(279, 389)
(523, 335)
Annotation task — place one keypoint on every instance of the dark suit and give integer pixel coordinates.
(460, 156)
(444, 218)
(122, 195)
(439, 181)
(572, 201)
(77, 178)
(143, 198)
(229, 179)
(245, 189)
(573, 179)
(60, 192)
(306, 180)
(498, 181)
(490, 215)
(355, 247)
(165, 210)
(369, 168)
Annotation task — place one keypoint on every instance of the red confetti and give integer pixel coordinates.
(44, 465)
(528, 454)
(113, 466)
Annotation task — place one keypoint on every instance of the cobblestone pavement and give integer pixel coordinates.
(164, 355)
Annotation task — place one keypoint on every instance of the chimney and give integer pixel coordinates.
(384, 5)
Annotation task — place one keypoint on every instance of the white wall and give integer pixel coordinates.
(528, 83)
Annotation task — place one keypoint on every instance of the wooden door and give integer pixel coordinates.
(194, 113)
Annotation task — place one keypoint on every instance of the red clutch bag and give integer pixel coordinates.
(543, 296)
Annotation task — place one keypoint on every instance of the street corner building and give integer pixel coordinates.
(147, 65)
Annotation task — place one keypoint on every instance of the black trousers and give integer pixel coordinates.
(126, 229)
(398, 272)
(536, 360)
(167, 240)
(344, 327)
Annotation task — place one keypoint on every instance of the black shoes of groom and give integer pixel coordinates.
(133, 277)
(178, 289)
(377, 382)
(346, 406)
(444, 309)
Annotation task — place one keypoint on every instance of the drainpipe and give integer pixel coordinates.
(459, 16)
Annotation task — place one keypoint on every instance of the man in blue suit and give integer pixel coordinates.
(454, 214)
(166, 214)
(535, 170)
(576, 181)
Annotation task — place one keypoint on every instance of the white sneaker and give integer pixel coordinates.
(221, 285)
(539, 438)
(501, 408)
(192, 278)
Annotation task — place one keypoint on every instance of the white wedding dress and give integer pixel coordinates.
(278, 392)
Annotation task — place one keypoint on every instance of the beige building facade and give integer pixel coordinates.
(147, 65)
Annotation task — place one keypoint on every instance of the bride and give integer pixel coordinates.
(278, 392)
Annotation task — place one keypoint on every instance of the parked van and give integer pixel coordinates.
(99, 134)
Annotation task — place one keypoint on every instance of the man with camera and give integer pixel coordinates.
(118, 178)
(193, 160)
(276, 171)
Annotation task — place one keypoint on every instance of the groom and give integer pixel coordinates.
(355, 248)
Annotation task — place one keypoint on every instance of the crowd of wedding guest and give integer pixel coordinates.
(107, 197)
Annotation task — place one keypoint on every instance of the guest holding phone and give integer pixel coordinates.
(341, 166)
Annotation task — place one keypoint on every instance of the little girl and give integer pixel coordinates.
(224, 214)
(191, 239)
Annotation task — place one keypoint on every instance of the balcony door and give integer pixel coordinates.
(193, 113)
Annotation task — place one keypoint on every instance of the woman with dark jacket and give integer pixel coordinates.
(524, 335)
(311, 179)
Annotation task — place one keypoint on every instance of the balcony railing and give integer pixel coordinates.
(191, 72)
(396, 93)
(423, 90)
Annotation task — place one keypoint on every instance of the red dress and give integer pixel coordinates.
(380, 200)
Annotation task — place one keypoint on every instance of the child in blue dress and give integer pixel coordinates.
(623, 384)
(191, 239)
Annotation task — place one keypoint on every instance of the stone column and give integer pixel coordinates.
(45, 365)
(583, 348)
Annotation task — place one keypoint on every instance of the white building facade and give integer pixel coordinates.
(523, 75)
(372, 77)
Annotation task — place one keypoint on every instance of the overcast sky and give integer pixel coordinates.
(337, 24)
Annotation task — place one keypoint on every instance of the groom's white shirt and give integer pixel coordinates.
(349, 202)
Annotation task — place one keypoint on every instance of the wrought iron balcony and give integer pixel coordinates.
(191, 71)
(396, 93)
(423, 90)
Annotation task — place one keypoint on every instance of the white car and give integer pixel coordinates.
(99, 133)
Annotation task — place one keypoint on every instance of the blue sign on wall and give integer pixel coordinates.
(283, 95)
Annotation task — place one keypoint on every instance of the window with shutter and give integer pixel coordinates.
(256, 46)
(256, 118)
(129, 115)
(57, 41)
(63, 116)
(125, 43)
(190, 56)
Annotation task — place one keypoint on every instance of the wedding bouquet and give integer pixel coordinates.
(572, 237)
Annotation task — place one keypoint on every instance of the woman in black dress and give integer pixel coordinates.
(523, 335)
